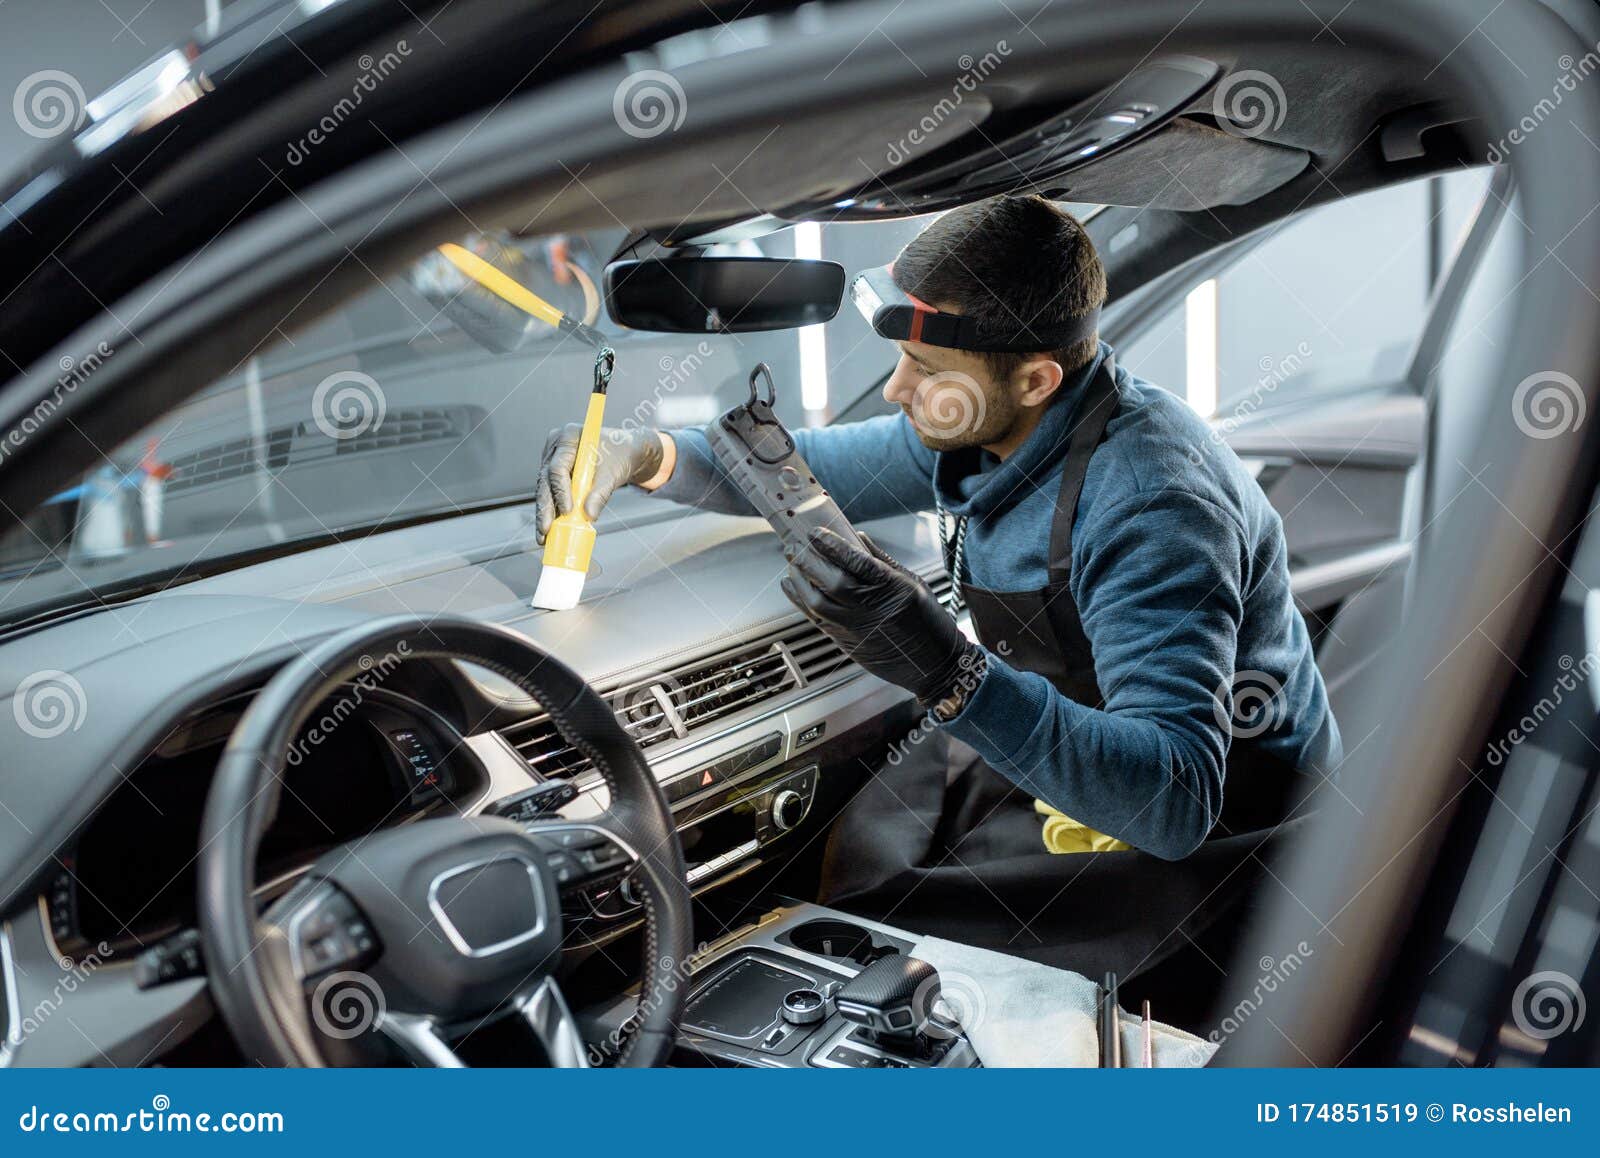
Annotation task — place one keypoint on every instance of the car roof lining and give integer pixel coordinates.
(1188, 166)
(1195, 185)
(1274, 113)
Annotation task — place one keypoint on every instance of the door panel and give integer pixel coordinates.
(1301, 352)
(1340, 473)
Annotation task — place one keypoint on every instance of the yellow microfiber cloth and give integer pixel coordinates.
(1062, 834)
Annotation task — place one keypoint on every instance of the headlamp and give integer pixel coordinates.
(896, 315)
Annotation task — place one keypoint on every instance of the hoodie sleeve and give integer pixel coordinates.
(1163, 625)
(872, 468)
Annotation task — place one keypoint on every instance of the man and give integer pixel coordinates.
(1139, 649)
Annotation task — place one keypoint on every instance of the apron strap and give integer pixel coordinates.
(953, 546)
(1099, 404)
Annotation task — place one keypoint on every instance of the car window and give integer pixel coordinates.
(387, 409)
(1299, 314)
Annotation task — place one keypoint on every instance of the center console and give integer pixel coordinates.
(807, 986)
(727, 812)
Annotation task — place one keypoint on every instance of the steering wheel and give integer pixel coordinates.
(440, 925)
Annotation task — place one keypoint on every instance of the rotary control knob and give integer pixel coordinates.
(788, 809)
(804, 1006)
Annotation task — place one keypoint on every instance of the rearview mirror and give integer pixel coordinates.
(722, 295)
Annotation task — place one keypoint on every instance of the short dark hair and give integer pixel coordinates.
(1004, 262)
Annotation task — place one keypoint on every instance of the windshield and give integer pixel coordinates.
(387, 411)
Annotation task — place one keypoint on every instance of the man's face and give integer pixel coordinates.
(951, 397)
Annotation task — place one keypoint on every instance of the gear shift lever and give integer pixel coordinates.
(890, 999)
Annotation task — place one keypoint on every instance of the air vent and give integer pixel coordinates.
(730, 683)
(817, 656)
(306, 442)
(546, 752)
(681, 702)
(640, 708)
(403, 428)
(228, 460)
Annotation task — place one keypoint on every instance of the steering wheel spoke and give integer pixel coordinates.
(419, 1037)
(542, 1009)
(323, 929)
(546, 1013)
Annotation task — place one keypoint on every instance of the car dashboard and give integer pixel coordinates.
(746, 713)
(368, 759)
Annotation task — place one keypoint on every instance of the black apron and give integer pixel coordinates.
(939, 843)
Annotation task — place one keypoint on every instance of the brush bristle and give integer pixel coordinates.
(559, 588)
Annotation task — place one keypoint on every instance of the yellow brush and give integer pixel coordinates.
(502, 285)
(570, 542)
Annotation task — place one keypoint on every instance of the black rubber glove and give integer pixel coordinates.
(626, 456)
(884, 617)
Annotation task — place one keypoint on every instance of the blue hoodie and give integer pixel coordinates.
(1180, 573)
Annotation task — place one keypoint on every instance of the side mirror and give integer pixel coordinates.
(722, 295)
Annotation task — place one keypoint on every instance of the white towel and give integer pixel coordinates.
(1020, 1013)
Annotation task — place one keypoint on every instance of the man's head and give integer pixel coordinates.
(1010, 263)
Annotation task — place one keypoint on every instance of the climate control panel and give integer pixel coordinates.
(722, 828)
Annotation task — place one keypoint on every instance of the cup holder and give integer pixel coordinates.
(843, 941)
